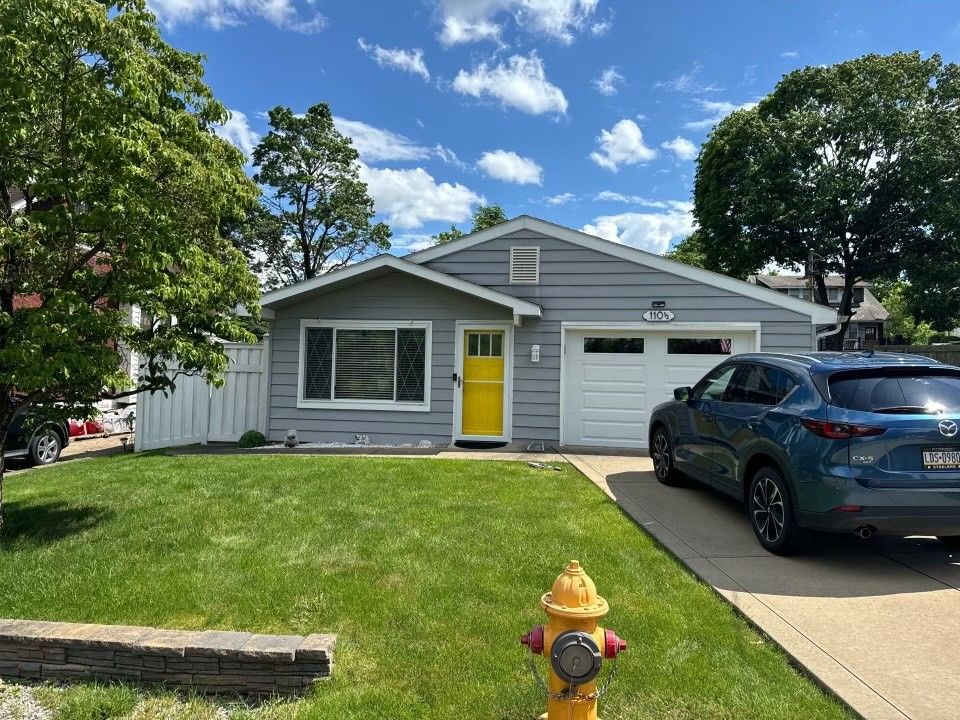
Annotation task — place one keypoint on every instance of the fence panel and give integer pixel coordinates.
(196, 412)
(949, 354)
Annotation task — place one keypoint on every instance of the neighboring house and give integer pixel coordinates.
(523, 332)
(866, 328)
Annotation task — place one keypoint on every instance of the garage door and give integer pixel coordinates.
(613, 379)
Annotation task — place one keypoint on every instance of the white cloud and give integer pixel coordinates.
(716, 111)
(789, 54)
(561, 199)
(376, 144)
(600, 28)
(648, 231)
(509, 167)
(449, 156)
(409, 198)
(622, 145)
(611, 196)
(682, 148)
(237, 130)
(521, 83)
(466, 21)
(608, 81)
(688, 82)
(219, 14)
(411, 242)
(410, 61)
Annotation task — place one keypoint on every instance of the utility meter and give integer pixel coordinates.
(575, 657)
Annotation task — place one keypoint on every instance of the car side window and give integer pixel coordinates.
(714, 385)
(759, 385)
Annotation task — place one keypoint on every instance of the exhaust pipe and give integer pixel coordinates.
(865, 532)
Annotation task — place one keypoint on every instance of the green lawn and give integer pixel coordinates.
(428, 570)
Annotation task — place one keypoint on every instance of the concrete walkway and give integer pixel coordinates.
(877, 622)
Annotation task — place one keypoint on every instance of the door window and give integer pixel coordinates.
(759, 385)
(714, 385)
(484, 344)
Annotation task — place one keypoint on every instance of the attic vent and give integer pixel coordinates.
(524, 265)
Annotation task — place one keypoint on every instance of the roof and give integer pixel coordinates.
(870, 310)
(387, 263)
(828, 361)
(818, 314)
(799, 281)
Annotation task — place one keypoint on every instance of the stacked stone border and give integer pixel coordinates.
(207, 661)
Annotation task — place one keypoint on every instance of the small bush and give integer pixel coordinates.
(251, 439)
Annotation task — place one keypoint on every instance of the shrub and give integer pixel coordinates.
(251, 439)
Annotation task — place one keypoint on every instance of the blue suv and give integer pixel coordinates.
(841, 442)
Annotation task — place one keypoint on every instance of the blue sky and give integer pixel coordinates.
(587, 113)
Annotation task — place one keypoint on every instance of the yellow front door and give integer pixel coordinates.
(483, 382)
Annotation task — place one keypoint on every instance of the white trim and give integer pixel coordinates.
(380, 405)
(460, 327)
(518, 306)
(818, 314)
(577, 326)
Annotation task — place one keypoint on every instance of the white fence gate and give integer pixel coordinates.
(197, 412)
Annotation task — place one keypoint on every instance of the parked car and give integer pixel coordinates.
(37, 437)
(840, 442)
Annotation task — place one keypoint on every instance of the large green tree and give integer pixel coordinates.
(316, 215)
(112, 188)
(484, 217)
(855, 164)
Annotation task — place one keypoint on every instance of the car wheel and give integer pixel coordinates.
(45, 447)
(951, 542)
(771, 513)
(661, 452)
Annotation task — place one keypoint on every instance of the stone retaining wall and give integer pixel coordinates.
(209, 661)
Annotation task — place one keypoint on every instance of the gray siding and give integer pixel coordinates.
(578, 284)
(387, 297)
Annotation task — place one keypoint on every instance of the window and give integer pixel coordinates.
(894, 390)
(361, 365)
(484, 344)
(802, 293)
(714, 385)
(833, 294)
(613, 345)
(524, 265)
(759, 385)
(699, 346)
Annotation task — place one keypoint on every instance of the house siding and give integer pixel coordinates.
(389, 297)
(584, 285)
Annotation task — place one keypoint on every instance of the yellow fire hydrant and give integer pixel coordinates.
(574, 643)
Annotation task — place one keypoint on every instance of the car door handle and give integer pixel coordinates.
(753, 424)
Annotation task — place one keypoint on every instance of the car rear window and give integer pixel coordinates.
(898, 390)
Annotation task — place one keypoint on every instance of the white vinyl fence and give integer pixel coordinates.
(197, 412)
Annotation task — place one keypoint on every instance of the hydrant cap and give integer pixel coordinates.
(574, 595)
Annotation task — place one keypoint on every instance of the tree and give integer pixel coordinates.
(689, 251)
(856, 164)
(902, 323)
(112, 189)
(484, 217)
(316, 214)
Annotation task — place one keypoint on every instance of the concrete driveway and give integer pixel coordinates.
(878, 622)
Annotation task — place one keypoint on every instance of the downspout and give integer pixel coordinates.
(831, 330)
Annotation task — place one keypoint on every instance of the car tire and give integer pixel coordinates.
(771, 513)
(45, 447)
(661, 452)
(951, 542)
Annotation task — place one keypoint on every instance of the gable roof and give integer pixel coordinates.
(386, 263)
(818, 314)
(799, 281)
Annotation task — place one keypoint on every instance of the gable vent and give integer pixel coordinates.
(524, 265)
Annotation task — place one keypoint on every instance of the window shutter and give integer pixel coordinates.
(524, 265)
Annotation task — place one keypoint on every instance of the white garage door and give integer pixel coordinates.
(613, 379)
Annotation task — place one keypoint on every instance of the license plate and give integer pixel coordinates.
(941, 459)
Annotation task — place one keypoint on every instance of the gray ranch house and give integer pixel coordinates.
(527, 331)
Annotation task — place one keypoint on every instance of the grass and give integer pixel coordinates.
(428, 570)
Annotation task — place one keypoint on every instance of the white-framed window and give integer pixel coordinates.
(364, 365)
(525, 265)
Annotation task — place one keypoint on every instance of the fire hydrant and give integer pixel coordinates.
(574, 643)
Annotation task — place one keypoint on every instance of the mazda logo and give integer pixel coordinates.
(948, 428)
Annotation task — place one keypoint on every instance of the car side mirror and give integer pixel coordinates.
(682, 394)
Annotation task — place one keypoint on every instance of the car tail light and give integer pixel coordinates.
(840, 431)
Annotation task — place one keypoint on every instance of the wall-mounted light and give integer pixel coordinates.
(535, 353)
(659, 304)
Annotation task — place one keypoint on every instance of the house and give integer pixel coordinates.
(522, 332)
(866, 328)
